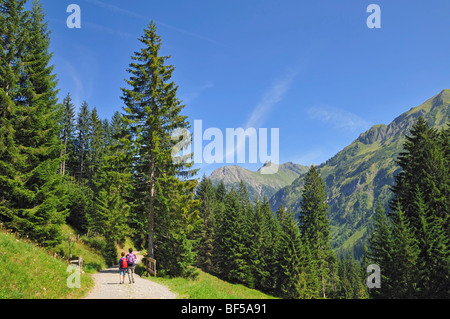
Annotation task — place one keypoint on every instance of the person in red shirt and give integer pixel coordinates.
(123, 265)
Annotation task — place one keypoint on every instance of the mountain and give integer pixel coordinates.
(258, 185)
(362, 173)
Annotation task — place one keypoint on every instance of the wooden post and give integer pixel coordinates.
(150, 264)
(78, 261)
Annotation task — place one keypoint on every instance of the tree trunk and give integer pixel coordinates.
(63, 155)
(151, 211)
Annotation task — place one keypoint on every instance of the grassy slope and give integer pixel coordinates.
(207, 286)
(92, 259)
(30, 272)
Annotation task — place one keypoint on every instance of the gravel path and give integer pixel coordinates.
(107, 286)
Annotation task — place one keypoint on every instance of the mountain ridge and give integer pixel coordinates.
(258, 185)
(363, 172)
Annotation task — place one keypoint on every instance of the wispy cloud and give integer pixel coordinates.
(101, 28)
(337, 117)
(270, 98)
(117, 9)
(135, 15)
(78, 94)
(81, 71)
(196, 93)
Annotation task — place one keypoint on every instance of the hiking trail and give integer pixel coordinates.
(107, 286)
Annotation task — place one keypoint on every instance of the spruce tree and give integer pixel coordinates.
(352, 284)
(218, 239)
(39, 201)
(404, 252)
(264, 235)
(290, 254)
(433, 264)
(421, 189)
(109, 216)
(82, 143)
(233, 263)
(206, 231)
(247, 227)
(314, 226)
(153, 114)
(67, 132)
(12, 13)
(221, 192)
(345, 286)
(96, 150)
(423, 164)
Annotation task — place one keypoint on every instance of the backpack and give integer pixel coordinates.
(123, 262)
(131, 258)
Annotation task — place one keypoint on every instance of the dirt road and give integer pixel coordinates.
(107, 286)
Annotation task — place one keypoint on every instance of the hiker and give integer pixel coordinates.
(123, 265)
(131, 261)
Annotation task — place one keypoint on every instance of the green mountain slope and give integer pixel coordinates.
(258, 185)
(362, 173)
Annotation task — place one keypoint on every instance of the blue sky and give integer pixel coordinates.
(313, 69)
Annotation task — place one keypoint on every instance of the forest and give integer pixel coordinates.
(116, 178)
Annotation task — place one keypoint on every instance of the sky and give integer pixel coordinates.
(312, 69)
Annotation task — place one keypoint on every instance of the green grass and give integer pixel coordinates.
(92, 259)
(31, 272)
(354, 238)
(207, 286)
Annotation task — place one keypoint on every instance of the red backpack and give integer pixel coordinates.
(123, 262)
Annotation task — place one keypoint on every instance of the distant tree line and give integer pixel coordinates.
(244, 242)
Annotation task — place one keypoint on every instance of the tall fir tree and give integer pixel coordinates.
(12, 13)
(67, 133)
(314, 226)
(421, 190)
(39, 206)
(97, 147)
(404, 252)
(265, 236)
(206, 194)
(433, 260)
(379, 253)
(110, 214)
(153, 113)
(233, 263)
(423, 164)
(290, 254)
(218, 239)
(82, 143)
